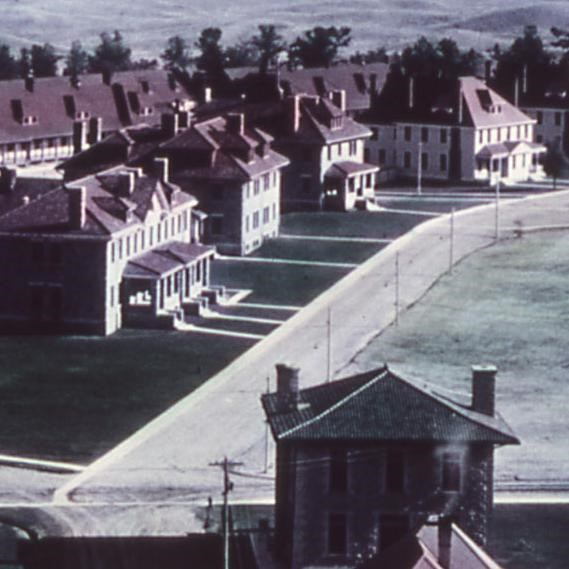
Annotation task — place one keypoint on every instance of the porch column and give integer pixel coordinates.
(155, 296)
(206, 270)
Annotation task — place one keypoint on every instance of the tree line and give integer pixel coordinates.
(317, 47)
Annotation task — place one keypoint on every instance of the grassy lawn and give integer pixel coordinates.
(379, 225)
(253, 312)
(506, 305)
(530, 536)
(72, 398)
(236, 326)
(275, 283)
(328, 251)
(424, 204)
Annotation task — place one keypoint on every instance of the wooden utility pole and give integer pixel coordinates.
(497, 234)
(420, 168)
(397, 288)
(451, 251)
(267, 432)
(225, 465)
(329, 346)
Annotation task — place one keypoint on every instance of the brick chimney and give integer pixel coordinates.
(162, 169)
(207, 95)
(339, 99)
(293, 112)
(525, 80)
(236, 123)
(444, 541)
(184, 119)
(169, 124)
(411, 101)
(95, 130)
(288, 386)
(107, 77)
(460, 104)
(484, 389)
(487, 70)
(77, 207)
(517, 92)
(79, 136)
(8, 177)
(127, 183)
(29, 83)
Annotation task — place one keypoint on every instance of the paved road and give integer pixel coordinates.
(170, 457)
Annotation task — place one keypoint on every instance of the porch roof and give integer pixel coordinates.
(510, 148)
(163, 261)
(348, 169)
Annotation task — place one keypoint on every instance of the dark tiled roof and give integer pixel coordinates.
(380, 406)
(349, 168)
(165, 259)
(106, 210)
(352, 78)
(56, 103)
(26, 188)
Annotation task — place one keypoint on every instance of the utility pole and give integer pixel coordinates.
(329, 346)
(397, 288)
(267, 432)
(497, 234)
(225, 465)
(420, 168)
(451, 252)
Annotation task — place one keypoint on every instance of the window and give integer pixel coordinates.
(443, 162)
(337, 538)
(246, 223)
(539, 138)
(557, 119)
(267, 181)
(329, 149)
(394, 133)
(480, 136)
(424, 161)
(274, 211)
(366, 154)
(255, 220)
(444, 135)
(395, 473)
(381, 156)
(216, 224)
(338, 471)
(424, 134)
(266, 214)
(407, 160)
(256, 187)
(113, 252)
(407, 133)
(539, 117)
(112, 296)
(392, 528)
(451, 472)
(353, 147)
(374, 133)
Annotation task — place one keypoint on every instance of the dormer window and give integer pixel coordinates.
(145, 111)
(29, 120)
(145, 86)
(82, 115)
(336, 123)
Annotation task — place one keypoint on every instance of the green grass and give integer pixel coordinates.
(506, 305)
(276, 283)
(426, 205)
(72, 398)
(530, 536)
(327, 251)
(350, 224)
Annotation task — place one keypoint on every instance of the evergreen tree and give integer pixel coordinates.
(111, 54)
(211, 57)
(176, 56)
(77, 60)
(8, 64)
(319, 46)
(44, 60)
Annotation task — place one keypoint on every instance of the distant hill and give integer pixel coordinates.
(146, 24)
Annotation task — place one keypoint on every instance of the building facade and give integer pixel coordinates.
(461, 132)
(120, 247)
(364, 461)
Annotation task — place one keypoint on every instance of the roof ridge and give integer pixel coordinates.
(338, 404)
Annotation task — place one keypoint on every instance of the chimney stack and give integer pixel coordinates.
(460, 104)
(293, 112)
(127, 182)
(525, 80)
(339, 99)
(29, 82)
(484, 389)
(162, 169)
(373, 84)
(8, 177)
(444, 541)
(75, 81)
(79, 136)
(288, 386)
(184, 119)
(107, 76)
(169, 124)
(207, 96)
(411, 92)
(517, 92)
(95, 130)
(236, 123)
(487, 70)
(77, 207)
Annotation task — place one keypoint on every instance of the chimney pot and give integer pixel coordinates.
(339, 99)
(77, 207)
(288, 386)
(162, 169)
(236, 123)
(444, 541)
(484, 389)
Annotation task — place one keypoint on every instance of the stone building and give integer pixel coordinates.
(364, 461)
(120, 247)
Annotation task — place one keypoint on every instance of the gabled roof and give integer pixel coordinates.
(107, 210)
(381, 406)
(348, 168)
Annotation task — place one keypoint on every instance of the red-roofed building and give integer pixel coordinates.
(117, 248)
(50, 118)
(461, 131)
(366, 461)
